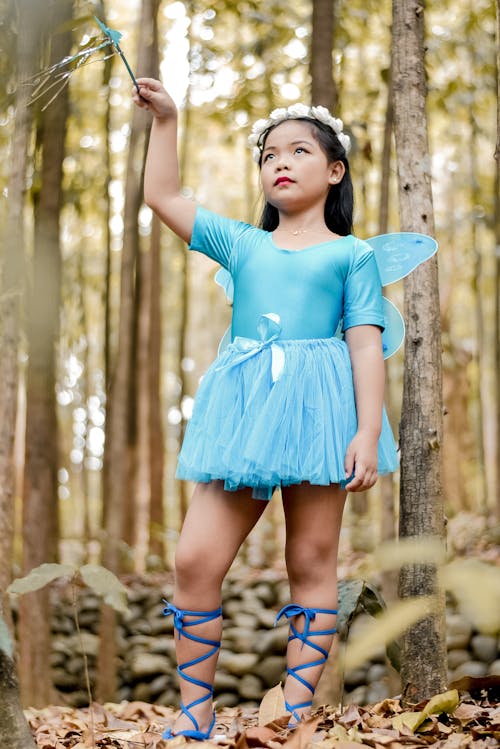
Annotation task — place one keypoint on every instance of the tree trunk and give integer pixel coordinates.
(323, 88)
(40, 507)
(156, 438)
(116, 472)
(14, 730)
(423, 670)
(11, 289)
(497, 270)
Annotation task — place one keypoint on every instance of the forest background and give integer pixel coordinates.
(115, 323)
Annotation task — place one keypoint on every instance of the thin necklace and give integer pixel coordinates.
(296, 232)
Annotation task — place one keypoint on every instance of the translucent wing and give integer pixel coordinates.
(399, 253)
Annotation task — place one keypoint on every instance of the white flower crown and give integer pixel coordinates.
(293, 112)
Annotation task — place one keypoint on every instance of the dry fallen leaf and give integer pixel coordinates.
(272, 706)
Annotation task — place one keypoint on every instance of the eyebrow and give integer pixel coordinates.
(292, 143)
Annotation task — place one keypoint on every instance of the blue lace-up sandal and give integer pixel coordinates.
(181, 626)
(290, 611)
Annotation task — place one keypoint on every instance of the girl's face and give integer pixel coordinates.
(295, 173)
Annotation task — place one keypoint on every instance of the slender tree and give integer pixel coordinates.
(423, 670)
(117, 499)
(40, 510)
(323, 88)
(497, 267)
(14, 730)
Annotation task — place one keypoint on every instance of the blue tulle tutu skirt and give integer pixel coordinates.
(274, 414)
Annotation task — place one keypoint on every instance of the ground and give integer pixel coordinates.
(469, 719)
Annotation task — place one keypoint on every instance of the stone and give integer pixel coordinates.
(237, 664)
(470, 668)
(161, 625)
(86, 642)
(356, 697)
(375, 673)
(245, 620)
(484, 648)
(376, 692)
(227, 699)
(266, 618)
(240, 639)
(169, 698)
(457, 657)
(164, 646)
(148, 664)
(494, 668)
(271, 670)
(356, 677)
(160, 684)
(141, 692)
(274, 641)
(251, 687)
(266, 593)
(80, 698)
(63, 681)
(231, 607)
(458, 632)
(224, 682)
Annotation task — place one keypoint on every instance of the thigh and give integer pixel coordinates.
(216, 524)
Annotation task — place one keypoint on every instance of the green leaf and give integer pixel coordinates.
(105, 584)
(446, 702)
(417, 550)
(39, 577)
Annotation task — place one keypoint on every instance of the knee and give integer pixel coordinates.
(196, 571)
(310, 565)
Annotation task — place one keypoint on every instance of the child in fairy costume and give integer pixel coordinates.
(286, 404)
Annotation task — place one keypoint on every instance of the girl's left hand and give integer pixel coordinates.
(361, 460)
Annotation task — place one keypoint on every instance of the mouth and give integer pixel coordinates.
(283, 180)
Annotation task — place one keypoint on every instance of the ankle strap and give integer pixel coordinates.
(202, 617)
(295, 609)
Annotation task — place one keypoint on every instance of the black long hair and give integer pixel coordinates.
(339, 205)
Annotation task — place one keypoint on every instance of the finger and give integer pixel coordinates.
(349, 463)
(151, 83)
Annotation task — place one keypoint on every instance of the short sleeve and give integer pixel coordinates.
(215, 235)
(363, 303)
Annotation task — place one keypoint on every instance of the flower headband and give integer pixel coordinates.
(294, 112)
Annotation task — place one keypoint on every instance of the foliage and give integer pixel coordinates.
(472, 724)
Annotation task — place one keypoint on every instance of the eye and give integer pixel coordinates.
(301, 149)
(268, 156)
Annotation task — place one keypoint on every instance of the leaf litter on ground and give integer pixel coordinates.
(470, 720)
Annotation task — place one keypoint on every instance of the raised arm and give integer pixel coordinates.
(365, 350)
(162, 189)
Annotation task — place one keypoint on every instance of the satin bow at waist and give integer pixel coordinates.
(269, 330)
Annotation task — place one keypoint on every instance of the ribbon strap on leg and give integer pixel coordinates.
(181, 627)
(290, 612)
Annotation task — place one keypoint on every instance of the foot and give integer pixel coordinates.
(200, 726)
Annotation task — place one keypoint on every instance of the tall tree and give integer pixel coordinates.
(14, 730)
(117, 498)
(497, 267)
(323, 88)
(40, 509)
(423, 670)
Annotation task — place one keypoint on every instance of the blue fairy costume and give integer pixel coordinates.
(277, 405)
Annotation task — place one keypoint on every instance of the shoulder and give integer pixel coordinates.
(209, 219)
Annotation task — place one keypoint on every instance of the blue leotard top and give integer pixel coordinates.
(311, 289)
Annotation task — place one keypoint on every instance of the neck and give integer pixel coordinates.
(309, 221)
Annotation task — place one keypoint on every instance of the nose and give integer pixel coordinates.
(281, 162)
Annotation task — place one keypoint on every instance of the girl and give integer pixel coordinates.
(287, 404)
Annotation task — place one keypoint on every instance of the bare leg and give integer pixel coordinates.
(216, 524)
(313, 519)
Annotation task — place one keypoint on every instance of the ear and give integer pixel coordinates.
(337, 171)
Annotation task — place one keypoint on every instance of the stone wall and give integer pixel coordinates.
(252, 654)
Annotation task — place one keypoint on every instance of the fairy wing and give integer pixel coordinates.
(399, 253)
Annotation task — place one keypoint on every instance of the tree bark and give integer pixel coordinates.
(11, 290)
(497, 270)
(423, 670)
(40, 507)
(323, 88)
(117, 491)
(14, 730)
